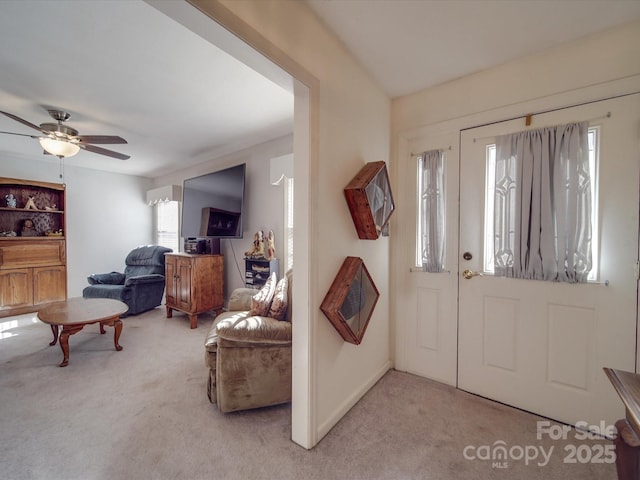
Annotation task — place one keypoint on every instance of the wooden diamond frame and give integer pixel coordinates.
(351, 299)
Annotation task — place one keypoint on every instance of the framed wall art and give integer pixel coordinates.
(370, 200)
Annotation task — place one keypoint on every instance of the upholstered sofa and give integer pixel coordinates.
(142, 284)
(249, 356)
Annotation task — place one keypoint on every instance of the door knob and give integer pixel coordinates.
(468, 274)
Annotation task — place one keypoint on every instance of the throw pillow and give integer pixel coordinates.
(278, 309)
(261, 301)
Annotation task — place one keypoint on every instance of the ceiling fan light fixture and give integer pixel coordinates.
(59, 148)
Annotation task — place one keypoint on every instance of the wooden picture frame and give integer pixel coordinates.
(351, 299)
(370, 200)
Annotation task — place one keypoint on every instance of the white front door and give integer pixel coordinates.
(541, 346)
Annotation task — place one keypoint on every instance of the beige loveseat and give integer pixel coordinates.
(249, 357)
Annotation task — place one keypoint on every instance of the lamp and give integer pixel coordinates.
(59, 148)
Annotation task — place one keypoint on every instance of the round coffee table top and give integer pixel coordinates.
(82, 311)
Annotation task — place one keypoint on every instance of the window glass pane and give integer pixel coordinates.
(489, 240)
(167, 225)
(490, 182)
(420, 228)
(430, 251)
(288, 243)
(594, 147)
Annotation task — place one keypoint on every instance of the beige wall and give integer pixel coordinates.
(614, 54)
(353, 117)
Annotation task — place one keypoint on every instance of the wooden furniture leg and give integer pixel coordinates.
(194, 320)
(169, 312)
(117, 325)
(64, 341)
(54, 330)
(627, 446)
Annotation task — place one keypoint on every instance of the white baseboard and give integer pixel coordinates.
(326, 426)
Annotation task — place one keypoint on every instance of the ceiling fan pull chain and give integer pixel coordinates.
(61, 168)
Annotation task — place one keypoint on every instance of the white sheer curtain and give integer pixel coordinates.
(432, 210)
(542, 221)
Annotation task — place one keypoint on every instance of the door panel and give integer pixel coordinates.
(427, 302)
(541, 346)
(16, 288)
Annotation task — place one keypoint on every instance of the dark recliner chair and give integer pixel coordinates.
(141, 286)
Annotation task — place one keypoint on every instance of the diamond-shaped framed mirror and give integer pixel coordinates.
(370, 200)
(351, 299)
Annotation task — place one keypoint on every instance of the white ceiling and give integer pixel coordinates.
(125, 68)
(409, 45)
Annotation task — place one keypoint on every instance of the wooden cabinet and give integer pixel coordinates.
(195, 284)
(257, 271)
(33, 256)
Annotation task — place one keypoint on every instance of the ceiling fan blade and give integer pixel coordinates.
(103, 151)
(22, 121)
(21, 134)
(101, 139)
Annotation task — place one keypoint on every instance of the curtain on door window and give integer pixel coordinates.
(542, 221)
(432, 210)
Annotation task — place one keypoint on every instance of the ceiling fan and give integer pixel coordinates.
(63, 141)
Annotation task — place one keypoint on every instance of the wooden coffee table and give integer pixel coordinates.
(73, 314)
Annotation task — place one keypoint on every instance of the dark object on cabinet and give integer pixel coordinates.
(257, 271)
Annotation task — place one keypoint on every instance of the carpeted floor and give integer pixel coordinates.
(143, 413)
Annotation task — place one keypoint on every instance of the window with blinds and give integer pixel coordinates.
(288, 224)
(168, 224)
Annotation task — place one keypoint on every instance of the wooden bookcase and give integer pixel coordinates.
(33, 258)
(195, 284)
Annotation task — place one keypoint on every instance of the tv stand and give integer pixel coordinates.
(195, 284)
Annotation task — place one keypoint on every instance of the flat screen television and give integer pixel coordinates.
(212, 204)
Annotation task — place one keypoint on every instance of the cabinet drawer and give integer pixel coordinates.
(31, 253)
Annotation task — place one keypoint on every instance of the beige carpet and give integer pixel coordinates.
(143, 413)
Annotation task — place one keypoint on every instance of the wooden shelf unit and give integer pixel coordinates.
(257, 271)
(33, 268)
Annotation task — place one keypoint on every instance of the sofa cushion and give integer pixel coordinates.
(261, 301)
(278, 308)
(240, 299)
(243, 329)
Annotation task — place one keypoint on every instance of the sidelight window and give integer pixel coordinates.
(430, 241)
